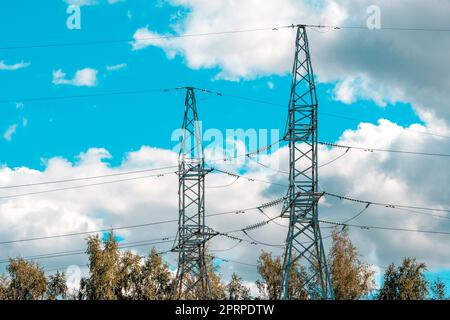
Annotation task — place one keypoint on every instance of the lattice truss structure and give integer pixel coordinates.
(192, 275)
(304, 249)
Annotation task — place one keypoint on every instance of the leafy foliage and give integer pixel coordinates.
(57, 286)
(437, 289)
(351, 279)
(116, 275)
(236, 290)
(406, 282)
(27, 281)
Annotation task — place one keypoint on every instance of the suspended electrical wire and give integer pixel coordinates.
(83, 251)
(371, 227)
(215, 33)
(86, 178)
(371, 150)
(238, 211)
(386, 205)
(83, 186)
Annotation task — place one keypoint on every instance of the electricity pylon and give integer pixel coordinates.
(192, 274)
(304, 246)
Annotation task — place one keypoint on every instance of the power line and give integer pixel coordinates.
(368, 149)
(238, 262)
(226, 260)
(82, 96)
(400, 207)
(238, 211)
(85, 178)
(369, 227)
(123, 246)
(100, 42)
(329, 114)
(89, 232)
(386, 205)
(287, 173)
(250, 179)
(393, 28)
(335, 115)
(144, 91)
(358, 214)
(83, 186)
(215, 33)
(83, 251)
(123, 173)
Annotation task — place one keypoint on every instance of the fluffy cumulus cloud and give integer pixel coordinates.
(244, 56)
(384, 66)
(86, 77)
(372, 176)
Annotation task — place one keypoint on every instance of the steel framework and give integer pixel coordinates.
(192, 274)
(304, 248)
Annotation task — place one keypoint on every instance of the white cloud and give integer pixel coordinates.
(355, 88)
(11, 67)
(10, 132)
(116, 67)
(380, 177)
(245, 56)
(84, 77)
(389, 66)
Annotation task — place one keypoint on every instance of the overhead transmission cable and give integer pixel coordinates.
(236, 212)
(386, 205)
(144, 91)
(215, 33)
(370, 149)
(369, 227)
(83, 251)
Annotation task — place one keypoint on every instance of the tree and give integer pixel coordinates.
(4, 286)
(57, 286)
(351, 279)
(269, 286)
(27, 280)
(437, 289)
(236, 290)
(297, 279)
(407, 282)
(103, 266)
(217, 287)
(128, 276)
(269, 270)
(215, 282)
(155, 279)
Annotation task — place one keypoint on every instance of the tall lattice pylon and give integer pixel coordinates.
(192, 275)
(304, 248)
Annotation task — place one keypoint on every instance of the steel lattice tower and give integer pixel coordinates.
(304, 242)
(192, 274)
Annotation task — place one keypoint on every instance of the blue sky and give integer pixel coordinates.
(123, 123)
(40, 130)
